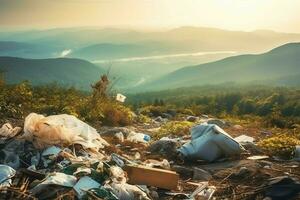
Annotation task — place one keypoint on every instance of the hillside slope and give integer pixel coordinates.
(276, 64)
(64, 71)
(26, 50)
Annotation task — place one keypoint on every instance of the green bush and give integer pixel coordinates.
(282, 145)
(17, 101)
(173, 128)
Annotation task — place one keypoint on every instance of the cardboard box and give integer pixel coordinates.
(141, 175)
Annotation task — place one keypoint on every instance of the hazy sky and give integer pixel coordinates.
(279, 15)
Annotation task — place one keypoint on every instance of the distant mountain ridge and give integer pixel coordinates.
(182, 39)
(26, 49)
(283, 61)
(64, 71)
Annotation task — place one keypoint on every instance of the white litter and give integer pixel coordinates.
(84, 170)
(8, 131)
(6, 173)
(128, 192)
(120, 98)
(138, 137)
(209, 142)
(257, 157)
(51, 151)
(244, 139)
(84, 184)
(60, 130)
(297, 153)
(55, 179)
(117, 174)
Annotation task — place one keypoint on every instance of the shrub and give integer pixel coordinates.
(115, 114)
(153, 111)
(282, 145)
(174, 128)
(17, 101)
(143, 119)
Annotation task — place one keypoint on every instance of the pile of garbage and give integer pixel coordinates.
(62, 157)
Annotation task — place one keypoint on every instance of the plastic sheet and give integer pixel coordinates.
(60, 130)
(209, 142)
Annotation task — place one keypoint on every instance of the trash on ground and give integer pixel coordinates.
(57, 178)
(257, 157)
(165, 147)
(203, 191)
(161, 178)
(84, 184)
(120, 98)
(51, 151)
(283, 187)
(7, 131)
(164, 164)
(218, 122)
(138, 137)
(64, 158)
(209, 142)
(6, 174)
(128, 192)
(10, 158)
(297, 153)
(244, 139)
(60, 129)
(192, 118)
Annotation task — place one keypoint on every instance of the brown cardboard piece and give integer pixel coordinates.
(161, 178)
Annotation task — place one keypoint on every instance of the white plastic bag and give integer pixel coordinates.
(6, 173)
(60, 130)
(138, 137)
(8, 131)
(120, 98)
(210, 142)
(126, 191)
(55, 179)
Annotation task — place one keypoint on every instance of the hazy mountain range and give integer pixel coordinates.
(279, 66)
(149, 60)
(91, 41)
(64, 71)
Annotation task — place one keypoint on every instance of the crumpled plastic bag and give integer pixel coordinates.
(121, 189)
(209, 142)
(84, 184)
(125, 191)
(6, 173)
(8, 131)
(60, 130)
(138, 137)
(117, 174)
(55, 179)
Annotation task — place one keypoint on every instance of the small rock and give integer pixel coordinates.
(242, 173)
(159, 119)
(200, 174)
(192, 118)
(166, 148)
(114, 130)
(166, 115)
(218, 122)
(172, 112)
(237, 127)
(154, 195)
(119, 136)
(205, 116)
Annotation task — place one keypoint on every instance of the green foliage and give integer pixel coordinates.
(174, 128)
(282, 145)
(143, 119)
(153, 110)
(276, 106)
(17, 101)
